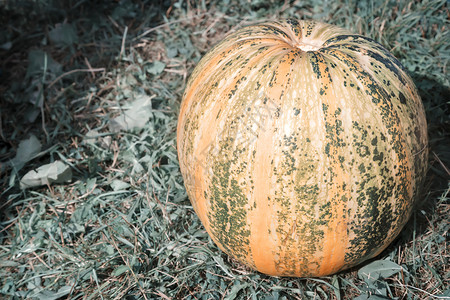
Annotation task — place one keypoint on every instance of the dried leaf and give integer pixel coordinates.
(134, 117)
(56, 172)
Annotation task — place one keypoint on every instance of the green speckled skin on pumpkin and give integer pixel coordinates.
(302, 146)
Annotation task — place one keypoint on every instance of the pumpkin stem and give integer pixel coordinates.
(306, 47)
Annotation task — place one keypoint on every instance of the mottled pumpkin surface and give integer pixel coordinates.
(302, 147)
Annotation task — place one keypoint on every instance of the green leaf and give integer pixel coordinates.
(120, 270)
(172, 52)
(370, 297)
(8, 263)
(26, 151)
(237, 287)
(6, 46)
(222, 265)
(446, 294)
(63, 35)
(379, 269)
(75, 228)
(118, 185)
(91, 136)
(156, 67)
(82, 214)
(90, 184)
(51, 295)
(40, 62)
(8, 287)
(337, 288)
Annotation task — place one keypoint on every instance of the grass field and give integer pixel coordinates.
(109, 218)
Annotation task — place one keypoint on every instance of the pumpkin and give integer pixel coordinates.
(302, 147)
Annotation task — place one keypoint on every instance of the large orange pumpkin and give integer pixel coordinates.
(302, 147)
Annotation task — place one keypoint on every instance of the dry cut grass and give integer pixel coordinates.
(72, 72)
